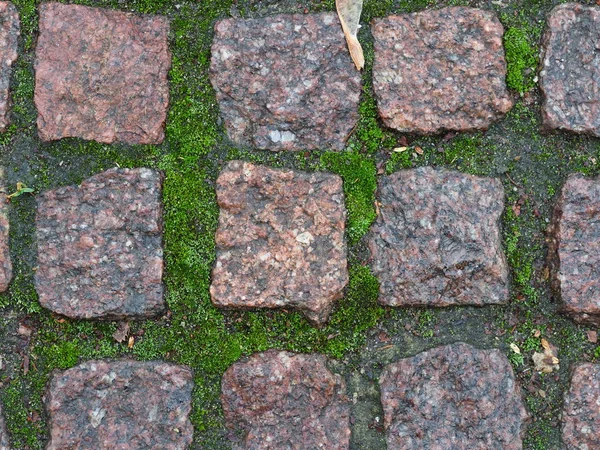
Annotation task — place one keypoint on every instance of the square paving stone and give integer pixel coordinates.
(5, 262)
(100, 246)
(581, 414)
(570, 76)
(9, 35)
(101, 75)
(440, 70)
(454, 397)
(436, 241)
(574, 253)
(122, 405)
(280, 400)
(285, 82)
(280, 240)
(3, 434)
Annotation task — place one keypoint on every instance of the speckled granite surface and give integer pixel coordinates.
(285, 82)
(280, 240)
(100, 246)
(101, 74)
(283, 400)
(440, 70)
(436, 240)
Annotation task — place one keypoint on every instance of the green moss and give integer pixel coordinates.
(465, 152)
(207, 339)
(426, 323)
(375, 8)
(398, 160)
(356, 314)
(359, 174)
(369, 135)
(468, 154)
(18, 411)
(521, 59)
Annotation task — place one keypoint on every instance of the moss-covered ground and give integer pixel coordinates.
(361, 336)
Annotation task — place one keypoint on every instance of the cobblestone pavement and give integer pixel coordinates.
(293, 318)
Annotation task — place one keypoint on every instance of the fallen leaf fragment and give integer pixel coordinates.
(130, 342)
(349, 13)
(419, 150)
(548, 361)
(515, 348)
(592, 336)
(21, 189)
(542, 393)
(377, 210)
(24, 331)
(400, 149)
(122, 331)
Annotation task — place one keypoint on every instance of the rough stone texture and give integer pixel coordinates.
(5, 262)
(9, 34)
(100, 246)
(436, 241)
(3, 434)
(280, 240)
(121, 405)
(285, 82)
(280, 400)
(574, 250)
(451, 398)
(581, 415)
(570, 78)
(101, 75)
(440, 70)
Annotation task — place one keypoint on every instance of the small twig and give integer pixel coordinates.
(513, 181)
(352, 131)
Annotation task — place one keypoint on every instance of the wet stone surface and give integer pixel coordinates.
(120, 404)
(280, 240)
(101, 75)
(3, 433)
(452, 397)
(279, 400)
(9, 34)
(100, 246)
(436, 241)
(574, 249)
(5, 262)
(285, 82)
(581, 414)
(571, 68)
(440, 70)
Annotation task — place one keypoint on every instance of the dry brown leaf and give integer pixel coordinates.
(130, 342)
(592, 336)
(122, 331)
(349, 13)
(548, 361)
(377, 210)
(419, 150)
(24, 331)
(546, 273)
(542, 393)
